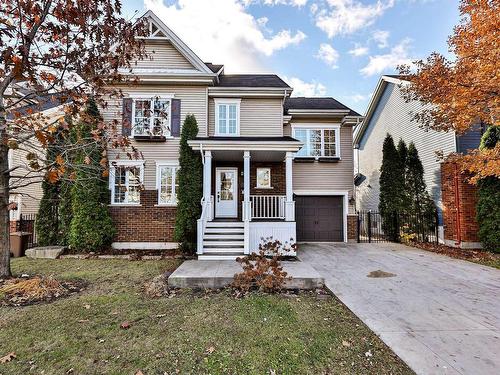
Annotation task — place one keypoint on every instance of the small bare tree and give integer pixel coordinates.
(64, 51)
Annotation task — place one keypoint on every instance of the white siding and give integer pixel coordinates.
(162, 54)
(258, 117)
(193, 101)
(393, 116)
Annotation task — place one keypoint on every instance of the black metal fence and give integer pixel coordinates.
(26, 223)
(398, 227)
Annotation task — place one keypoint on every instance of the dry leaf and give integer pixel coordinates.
(346, 343)
(8, 357)
(210, 350)
(125, 325)
(139, 372)
(86, 306)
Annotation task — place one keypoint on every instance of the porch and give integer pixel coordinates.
(247, 194)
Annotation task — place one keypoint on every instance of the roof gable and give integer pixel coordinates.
(159, 34)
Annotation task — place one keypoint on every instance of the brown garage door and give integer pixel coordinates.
(319, 218)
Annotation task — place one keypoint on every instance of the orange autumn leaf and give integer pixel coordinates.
(59, 160)
(52, 176)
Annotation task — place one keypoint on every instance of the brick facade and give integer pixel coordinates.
(352, 228)
(459, 208)
(146, 223)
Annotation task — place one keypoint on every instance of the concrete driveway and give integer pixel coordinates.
(440, 315)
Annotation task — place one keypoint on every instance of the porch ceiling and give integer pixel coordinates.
(255, 156)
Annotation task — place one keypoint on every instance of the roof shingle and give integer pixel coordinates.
(316, 103)
(252, 80)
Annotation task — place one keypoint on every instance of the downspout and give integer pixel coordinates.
(457, 207)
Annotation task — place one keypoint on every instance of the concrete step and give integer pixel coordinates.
(220, 237)
(223, 243)
(221, 250)
(224, 230)
(225, 224)
(219, 256)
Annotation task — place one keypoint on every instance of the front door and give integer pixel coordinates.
(226, 186)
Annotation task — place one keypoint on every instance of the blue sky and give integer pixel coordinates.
(333, 48)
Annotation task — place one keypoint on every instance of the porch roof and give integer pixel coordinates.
(285, 143)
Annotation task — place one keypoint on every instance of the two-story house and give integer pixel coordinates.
(272, 165)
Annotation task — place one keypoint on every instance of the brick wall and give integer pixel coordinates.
(145, 223)
(459, 208)
(352, 227)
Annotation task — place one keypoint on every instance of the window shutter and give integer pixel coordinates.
(127, 116)
(175, 127)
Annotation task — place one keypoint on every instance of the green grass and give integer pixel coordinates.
(189, 333)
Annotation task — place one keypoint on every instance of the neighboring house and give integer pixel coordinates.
(26, 188)
(274, 166)
(388, 112)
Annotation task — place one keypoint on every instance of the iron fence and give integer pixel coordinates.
(399, 227)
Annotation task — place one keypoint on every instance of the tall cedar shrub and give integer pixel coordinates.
(403, 156)
(420, 204)
(487, 210)
(47, 220)
(190, 189)
(65, 211)
(391, 183)
(91, 227)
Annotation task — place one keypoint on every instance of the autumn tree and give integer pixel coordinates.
(64, 51)
(465, 90)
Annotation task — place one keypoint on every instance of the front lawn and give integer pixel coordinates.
(187, 333)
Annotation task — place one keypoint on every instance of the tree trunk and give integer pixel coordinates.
(4, 196)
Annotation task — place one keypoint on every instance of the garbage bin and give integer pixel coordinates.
(19, 243)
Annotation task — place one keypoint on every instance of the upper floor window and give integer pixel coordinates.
(151, 117)
(318, 142)
(227, 117)
(126, 181)
(167, 183)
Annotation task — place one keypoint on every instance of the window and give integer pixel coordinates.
(318, 142)
(227, 117)
(126, 180)
(263, 178)
(167, 184)
(151, 117)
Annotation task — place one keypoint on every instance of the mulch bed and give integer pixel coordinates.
(169, 253)
(25, 291)
(476, 255)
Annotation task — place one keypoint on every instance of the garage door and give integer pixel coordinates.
(319, 218)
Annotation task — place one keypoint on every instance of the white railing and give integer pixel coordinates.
(268, 206)
(206, 215)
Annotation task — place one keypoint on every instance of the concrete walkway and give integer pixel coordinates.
(440, 315)
(214, 274)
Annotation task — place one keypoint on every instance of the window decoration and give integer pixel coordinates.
(322, 142)
(167, 184)
(126, 183)
(151, 117)
(263, 178)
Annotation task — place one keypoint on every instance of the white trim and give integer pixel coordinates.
(313, 126)
(345, 203)
(175, 166)
(244, 145)
(144, 245)
(227, 102)
(152, 99)
(119, 163)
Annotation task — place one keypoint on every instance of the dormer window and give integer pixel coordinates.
(151, 117)
(227, 117)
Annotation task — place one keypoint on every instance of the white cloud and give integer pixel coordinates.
(328, 54)
(295, 3)
(301, 88)
(381, 36)
(357, 98)
(398, 55)
(358, 50)
(222, 31)
(336, 17)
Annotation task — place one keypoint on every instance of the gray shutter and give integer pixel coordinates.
(127, 116)
(175, 127)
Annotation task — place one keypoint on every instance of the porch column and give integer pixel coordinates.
(246, 185)
(289, 204)
(207, 180)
